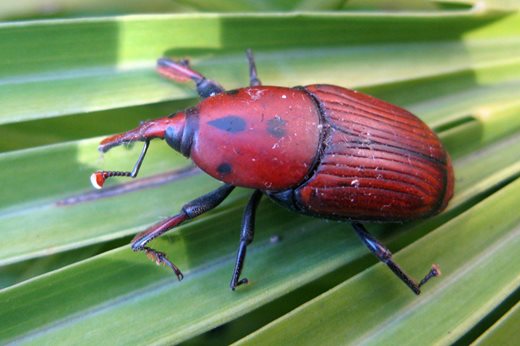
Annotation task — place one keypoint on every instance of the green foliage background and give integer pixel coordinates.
(71, 73)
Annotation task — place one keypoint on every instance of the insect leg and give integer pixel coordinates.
(180, 71)
(246, 237)
(385, 256)
(253, 78)
(188, 211)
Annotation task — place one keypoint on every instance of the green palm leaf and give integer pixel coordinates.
(67, 277)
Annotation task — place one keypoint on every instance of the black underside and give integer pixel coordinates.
(286, 199)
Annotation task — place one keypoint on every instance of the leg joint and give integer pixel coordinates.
(207, 88)
(137, 246)
(248, 239)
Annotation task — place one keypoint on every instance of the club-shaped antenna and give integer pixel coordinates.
(98, 178)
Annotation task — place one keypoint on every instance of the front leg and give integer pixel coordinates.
(180, 71)
(246, 237)
(188, 211)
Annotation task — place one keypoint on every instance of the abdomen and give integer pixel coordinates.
(378, 162)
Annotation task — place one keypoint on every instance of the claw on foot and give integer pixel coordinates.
(434, 271)
(160, 258)
(241, 282)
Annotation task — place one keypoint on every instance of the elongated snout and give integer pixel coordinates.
(146, 131)
(171, 127)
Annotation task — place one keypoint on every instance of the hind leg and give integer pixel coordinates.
(385, 256)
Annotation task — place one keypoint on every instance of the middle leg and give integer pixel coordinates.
(253, 77)
(246, 237)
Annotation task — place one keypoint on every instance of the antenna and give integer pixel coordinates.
(98, 178)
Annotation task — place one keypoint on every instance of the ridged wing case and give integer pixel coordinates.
(378, 161)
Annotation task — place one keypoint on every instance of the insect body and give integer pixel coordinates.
(320, 150)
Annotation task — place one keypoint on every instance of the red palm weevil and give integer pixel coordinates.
(320, 150)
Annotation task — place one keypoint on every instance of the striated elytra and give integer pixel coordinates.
(319, 150)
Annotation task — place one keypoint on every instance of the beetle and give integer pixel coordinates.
(319, 150)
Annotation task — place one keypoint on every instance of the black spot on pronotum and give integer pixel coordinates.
(230, 123)
(276, 126)
(224, 168)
